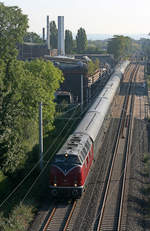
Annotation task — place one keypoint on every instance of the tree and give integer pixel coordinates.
(68, 42)
(13, 26)
(81, 40)
(119, 46)
(97, 63)
(22, 86)
(53, 35)
(32, 37)
(31, 83)
(93, 66)
(145, 47)
(12, 29)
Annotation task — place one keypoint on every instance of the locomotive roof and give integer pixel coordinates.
(74, 144)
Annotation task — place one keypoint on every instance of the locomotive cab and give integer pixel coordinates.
(70, 166)
(65, 175)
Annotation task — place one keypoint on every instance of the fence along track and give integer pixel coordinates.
(110, 209)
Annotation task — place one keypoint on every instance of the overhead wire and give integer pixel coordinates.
(48, 162)
(33, 168)
(29, 190)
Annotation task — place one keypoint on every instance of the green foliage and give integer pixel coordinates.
(19, 219)
(120, 46)
(146, 161)
(93, 66)
(32, 37)
(145, 46)
(22, 86)
(97, 63)
(81, 40)
(68, 42)
(4, 184)
(13, 27)
(96, 46)
(53, 35)
(146, 158)
(29, 83)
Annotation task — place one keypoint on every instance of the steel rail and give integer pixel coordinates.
(128, 147)
(120, 132)
(49, 219)
(69, 216)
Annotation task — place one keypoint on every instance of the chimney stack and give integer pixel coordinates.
(43, 34)
(61, 44)
(48, 33)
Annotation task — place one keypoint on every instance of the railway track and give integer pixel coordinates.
(59, 217)
(114, 214)
(111, 211)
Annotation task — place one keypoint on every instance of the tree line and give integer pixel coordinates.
(79, 45)
(120, 46)
(22, 86)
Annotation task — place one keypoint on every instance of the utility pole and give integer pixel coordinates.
(40, 136)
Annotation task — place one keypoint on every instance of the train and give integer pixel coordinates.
(70, 167)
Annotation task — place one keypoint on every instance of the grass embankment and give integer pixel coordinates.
(19, 209)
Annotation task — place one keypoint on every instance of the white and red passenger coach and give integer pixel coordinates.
(70, 166)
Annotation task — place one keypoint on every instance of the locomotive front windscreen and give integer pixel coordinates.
(66, 159)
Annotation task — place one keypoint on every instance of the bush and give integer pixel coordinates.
(146, 157)
(19, 219)
(5, 185)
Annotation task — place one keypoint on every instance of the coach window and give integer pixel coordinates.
(82, 154)
(81, 158)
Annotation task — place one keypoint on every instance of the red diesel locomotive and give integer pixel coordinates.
(71, 165)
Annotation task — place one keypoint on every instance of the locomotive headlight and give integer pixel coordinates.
(66, 155)
(75, 185)
(55, 185)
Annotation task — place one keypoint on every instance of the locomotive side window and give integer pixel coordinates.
(81, 158)
(87, 144)
(87, 147)
(84, 151)
(82, 154)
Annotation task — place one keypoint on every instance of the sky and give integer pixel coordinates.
(95, 16)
